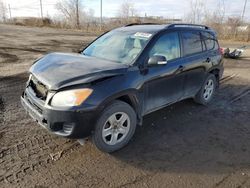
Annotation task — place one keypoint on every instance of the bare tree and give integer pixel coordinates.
(89, 15)
(197, 10)
(221, 10)
(234, 23)
(217, 16)
(3, 11)
(248, 36)
(71, 10)
(127, 11)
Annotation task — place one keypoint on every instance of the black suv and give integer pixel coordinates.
(106, 89)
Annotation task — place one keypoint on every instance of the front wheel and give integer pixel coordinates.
(115, 127)
(206, 93)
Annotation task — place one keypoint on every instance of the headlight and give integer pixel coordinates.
(71, 97)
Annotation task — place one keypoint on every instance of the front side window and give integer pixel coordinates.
(191, 43)
(118, 46)
(168, 46)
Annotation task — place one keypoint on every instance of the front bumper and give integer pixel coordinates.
(66, 123)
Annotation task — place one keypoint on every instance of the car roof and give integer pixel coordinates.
(152, 28)
(155, 28)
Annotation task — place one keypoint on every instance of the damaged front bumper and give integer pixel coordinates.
(67, 123)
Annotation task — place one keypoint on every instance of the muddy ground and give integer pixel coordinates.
(183, 145)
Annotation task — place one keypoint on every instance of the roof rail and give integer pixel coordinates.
(131, 24)
(187, 25)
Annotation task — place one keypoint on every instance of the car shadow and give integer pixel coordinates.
(193, 138)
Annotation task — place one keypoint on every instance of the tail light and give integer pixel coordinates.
(221, 50)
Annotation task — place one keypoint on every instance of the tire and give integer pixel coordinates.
(111, 133)
(205, 98)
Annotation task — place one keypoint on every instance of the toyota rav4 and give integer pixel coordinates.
(105, 90)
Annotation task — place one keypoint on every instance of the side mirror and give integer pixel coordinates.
(157, 60)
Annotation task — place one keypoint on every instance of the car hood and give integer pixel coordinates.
(58, 70)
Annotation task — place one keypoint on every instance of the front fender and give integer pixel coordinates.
(131, 96)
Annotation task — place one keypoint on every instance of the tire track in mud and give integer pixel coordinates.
(1, 109)
(234, 94)
(227, 78)
(240, 95)
(25, 154)
(1, 116)
(8, 83)
(8, 58)
(29, 155)
(30, 152)
(26, 49)
(10, 92)
(13, 83)
(23, 158)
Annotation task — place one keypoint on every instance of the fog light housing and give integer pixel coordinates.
(68, 128)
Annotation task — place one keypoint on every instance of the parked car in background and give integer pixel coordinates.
(105, 90)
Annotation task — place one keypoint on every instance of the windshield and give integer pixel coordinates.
(118, 46)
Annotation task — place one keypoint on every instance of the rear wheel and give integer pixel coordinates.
(206, 93)
(115, 127)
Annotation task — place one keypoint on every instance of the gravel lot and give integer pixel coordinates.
(183, 145)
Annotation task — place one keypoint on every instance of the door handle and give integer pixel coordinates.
(180, 69)
(208, 60)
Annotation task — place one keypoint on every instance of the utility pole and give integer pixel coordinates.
(77, 14)
(41, 7)
(9, 11)
(101, 15)
(243, 12)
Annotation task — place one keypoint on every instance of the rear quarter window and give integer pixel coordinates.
(210, 41)
(191, 42)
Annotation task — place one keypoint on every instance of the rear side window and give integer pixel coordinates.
(167, 45)
(191, 42)
(210, 41)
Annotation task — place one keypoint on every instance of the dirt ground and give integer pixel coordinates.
(183, 145)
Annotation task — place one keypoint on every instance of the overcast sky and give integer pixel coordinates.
(166, 8)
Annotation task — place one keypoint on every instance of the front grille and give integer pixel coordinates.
(39, 88)
(36, 107)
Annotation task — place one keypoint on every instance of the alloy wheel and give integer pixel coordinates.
(208, 90)
(116, 128)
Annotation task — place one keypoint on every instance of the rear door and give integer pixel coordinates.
(212, 47)
(195, 60)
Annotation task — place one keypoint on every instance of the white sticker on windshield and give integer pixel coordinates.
(143, 35)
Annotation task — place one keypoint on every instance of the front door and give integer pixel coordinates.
(164, 83)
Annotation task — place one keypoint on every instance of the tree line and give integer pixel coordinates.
(72, 14)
